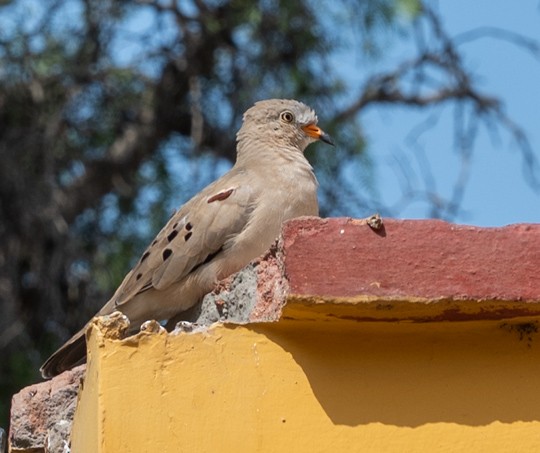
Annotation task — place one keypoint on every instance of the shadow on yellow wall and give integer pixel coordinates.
(411, 374)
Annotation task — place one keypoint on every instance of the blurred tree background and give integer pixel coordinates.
(113, 113)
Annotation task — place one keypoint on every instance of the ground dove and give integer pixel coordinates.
(222, 228)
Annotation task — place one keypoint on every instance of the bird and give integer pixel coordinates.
(221, 229)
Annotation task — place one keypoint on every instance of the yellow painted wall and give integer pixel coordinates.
(323, 385)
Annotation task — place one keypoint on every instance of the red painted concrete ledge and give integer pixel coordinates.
(415, 270)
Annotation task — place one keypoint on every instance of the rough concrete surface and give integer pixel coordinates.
(429, 259)
(232, 301)
(41, 414)
(254, 294)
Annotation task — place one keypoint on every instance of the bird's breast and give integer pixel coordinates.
(284, 198)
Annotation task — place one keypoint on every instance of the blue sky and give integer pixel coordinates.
(497, 193)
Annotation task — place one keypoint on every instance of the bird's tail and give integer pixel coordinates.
(71, 354)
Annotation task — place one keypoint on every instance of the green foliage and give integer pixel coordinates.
(411, 8)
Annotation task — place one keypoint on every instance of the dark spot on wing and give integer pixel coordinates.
(145, 255)
(189, 226)
(172, 235)
(138, 277)
(166, 254)
(175, 225)
(154, 242)
(187, 236)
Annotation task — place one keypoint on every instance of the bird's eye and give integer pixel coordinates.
(287, 116)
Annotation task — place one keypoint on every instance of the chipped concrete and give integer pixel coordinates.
(41, 414)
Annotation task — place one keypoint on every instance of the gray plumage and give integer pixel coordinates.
(222, 228)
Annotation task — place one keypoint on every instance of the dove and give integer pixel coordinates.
(222, 228)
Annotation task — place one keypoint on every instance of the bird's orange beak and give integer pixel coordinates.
(316, 132)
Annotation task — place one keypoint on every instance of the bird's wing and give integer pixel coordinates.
(194, 234)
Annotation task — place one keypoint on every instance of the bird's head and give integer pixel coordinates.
(281, 123)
